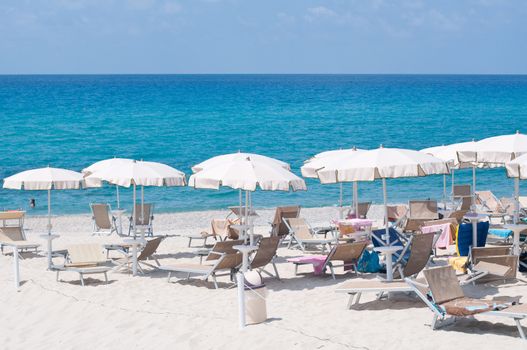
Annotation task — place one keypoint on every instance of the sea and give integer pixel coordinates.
(72, 121)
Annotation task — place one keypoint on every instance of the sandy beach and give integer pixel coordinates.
(147, 312)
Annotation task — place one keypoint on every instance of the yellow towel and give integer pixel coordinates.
(459, 263)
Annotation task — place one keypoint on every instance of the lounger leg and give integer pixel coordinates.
(58, 275)
(214, 280)
(296, 269)
(106, 278)
(434, 322)
(276, 271)
(520, 329)
(82, 279)
(189, 242)
(332, 271)
(350, 301)
(169, 275)
(204, 242)
(357, 299)
(188, 276)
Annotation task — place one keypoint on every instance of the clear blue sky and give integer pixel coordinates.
(266, 36)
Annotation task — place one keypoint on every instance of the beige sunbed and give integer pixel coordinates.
(420, 252)
(103, 220)
(85, 259)
(278, 225)
(265, 255)
(301, 235)
(448, 299)
(15, 234)
(348, 253)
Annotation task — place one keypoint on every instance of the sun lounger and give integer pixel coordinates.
(103, 220)
(15, 234)
(363, 208)
(301, 235)
(348, 253)
(85, 259)
(420, 211)
(265, 255)
(448, 299)
(223, 262)
(147, 254)
(278, 225)
(144, 218)
(491, 205)
(463, 196)
(419, 255)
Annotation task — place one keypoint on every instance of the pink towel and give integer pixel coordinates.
(445, 239)
(316, 260)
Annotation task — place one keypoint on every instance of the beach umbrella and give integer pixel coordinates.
(246, 173)
(517, 169)
(46, 179)
(382, 163)
(497, 150)
(137, 173)
(318, 161)
(221, 159)
(104, 164)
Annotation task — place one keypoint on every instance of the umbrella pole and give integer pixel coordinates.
(452, 194)
(118, 197)
(142, 211)
(341, 216)
(474, 188)
(387, 238)
(240, 202)
(49, 212)
(356, 199)
(246, 215)
(444, 191)
(516, 200)
(134, 212)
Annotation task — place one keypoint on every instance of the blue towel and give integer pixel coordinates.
(464, 237)
(501, 233)
(394, 240)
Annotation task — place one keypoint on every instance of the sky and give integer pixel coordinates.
(266, 36)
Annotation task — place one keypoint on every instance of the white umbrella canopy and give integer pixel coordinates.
(104, 164)
(45, 179)
(496, 150)
(139, 173)
(382, 163)
(247, 174)
(225, 158)
(517, 168)
(319, 161)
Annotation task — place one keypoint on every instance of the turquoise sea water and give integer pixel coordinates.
(72, 121)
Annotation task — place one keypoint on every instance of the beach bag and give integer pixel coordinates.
(369, 262)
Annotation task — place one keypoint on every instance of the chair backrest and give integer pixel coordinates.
(145, 211)
(229, 261)
(85, 254)
(462, 191)
(224, 247)
(347, 252)
(464, 237)
(12, 218)
(488, 200)
(466, 203)
(101, 215)
(420, 250)
(300, 228)
(423, 209)
(363, 208)
(279, 228)
(458, 215)
(266, 251)
(443, 284)
(396, 212)
(150, 248)
(11, 234)
(479, 252)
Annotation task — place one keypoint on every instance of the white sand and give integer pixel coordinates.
(147, 312)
